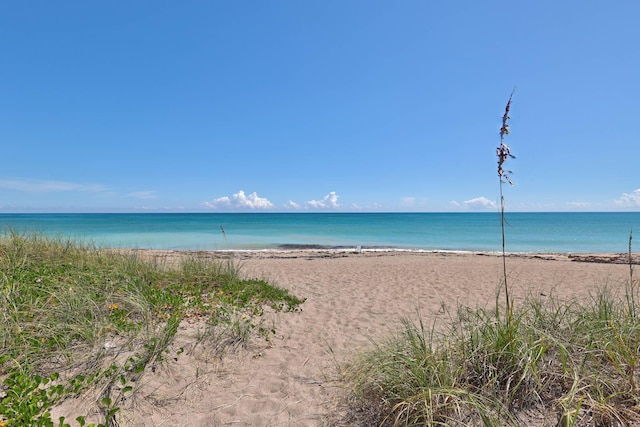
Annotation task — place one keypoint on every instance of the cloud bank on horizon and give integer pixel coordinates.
(629, 200)
(476, 203)
(242, 201)
(239, 201)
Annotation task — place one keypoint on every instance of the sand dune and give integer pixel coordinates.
(351, 300)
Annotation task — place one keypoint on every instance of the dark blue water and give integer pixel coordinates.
(525, 232)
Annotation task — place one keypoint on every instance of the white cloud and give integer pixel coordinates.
(479, 202)
(293, 205)
(628, 200)
(328, 201)
(219, 202)
(35, 186)
(240, 201)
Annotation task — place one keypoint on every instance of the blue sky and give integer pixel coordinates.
(346, 105)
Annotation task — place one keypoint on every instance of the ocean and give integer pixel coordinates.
(525, 232)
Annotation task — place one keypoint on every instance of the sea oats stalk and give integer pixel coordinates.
(504, 152)
(632, 289)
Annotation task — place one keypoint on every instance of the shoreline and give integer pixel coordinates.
(315, 252)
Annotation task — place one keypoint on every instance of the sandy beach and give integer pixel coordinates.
(351, 299)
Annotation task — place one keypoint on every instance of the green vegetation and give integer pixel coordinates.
(575, 363)
(64, 308)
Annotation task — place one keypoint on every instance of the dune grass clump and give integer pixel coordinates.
(74, 317)
(573, 363)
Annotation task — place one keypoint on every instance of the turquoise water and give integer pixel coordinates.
(526, 232)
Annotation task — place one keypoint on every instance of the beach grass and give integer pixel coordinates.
(554, 363)
(74, 317)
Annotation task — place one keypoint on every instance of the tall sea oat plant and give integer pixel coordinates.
(631, 289)
(504, 152)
